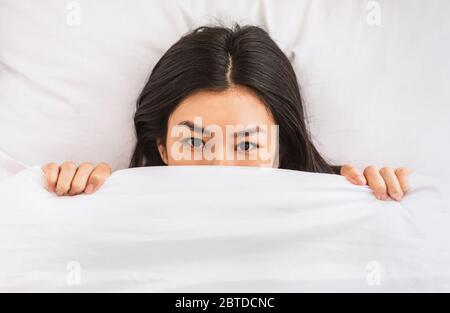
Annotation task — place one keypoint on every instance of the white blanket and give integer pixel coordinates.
(222, 229)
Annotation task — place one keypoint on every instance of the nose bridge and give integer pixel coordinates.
(223, 155)
(220, 156)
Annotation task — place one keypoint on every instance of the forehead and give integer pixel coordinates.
(237, 105)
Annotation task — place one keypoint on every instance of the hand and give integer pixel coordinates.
(387, 181)
(68, 179)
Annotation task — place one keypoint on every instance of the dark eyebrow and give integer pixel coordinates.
(248, 132)
(195, 128)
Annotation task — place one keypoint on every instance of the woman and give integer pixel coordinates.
(211, 80)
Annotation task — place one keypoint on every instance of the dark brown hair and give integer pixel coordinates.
(213, 58)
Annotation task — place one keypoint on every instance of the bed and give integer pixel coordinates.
(222, 229)
(374, 79)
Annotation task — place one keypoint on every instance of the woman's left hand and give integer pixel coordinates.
(392, 182)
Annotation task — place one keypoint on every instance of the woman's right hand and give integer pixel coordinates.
(68, 179)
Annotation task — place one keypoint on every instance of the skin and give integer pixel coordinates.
(238, 105)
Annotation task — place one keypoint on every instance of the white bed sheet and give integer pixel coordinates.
(222, 229)
(9, 166)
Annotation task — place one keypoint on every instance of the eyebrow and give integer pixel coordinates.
(195, 128)
(249, 131)
(206, 132)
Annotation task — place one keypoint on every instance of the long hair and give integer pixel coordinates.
(214, 58)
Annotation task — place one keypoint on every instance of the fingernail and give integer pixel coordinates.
(89, 189)
(396, 196)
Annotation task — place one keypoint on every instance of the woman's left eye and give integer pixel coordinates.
(246, 146)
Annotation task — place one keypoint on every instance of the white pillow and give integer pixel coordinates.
(374, 93)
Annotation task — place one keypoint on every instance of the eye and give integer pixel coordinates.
(193, 142)
(246, 146)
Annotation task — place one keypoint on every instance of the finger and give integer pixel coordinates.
(98, 178)
(81, 178)
(375, 182)
(353, 175)
(67, 172)
(402, 174)
(51, 172)
(393, 185)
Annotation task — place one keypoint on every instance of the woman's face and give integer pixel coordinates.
(231, 127)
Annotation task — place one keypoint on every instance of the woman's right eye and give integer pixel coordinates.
(193, 142)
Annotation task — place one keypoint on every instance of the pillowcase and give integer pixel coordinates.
(373, 74)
